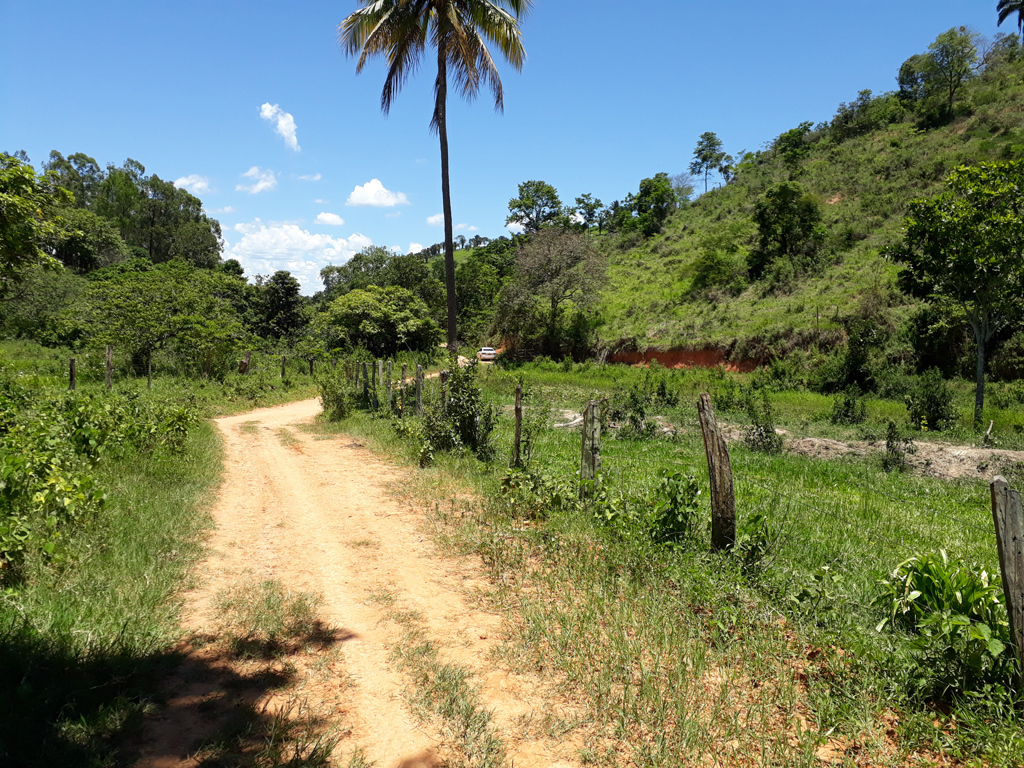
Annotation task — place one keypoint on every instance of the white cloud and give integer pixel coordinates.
(436, 220)
(394, 215)
(466, 228)
(225, 209)
(310, 177)
(264, 249)
(415, 247)
(193, 183)
(514, 227)
(374, 194)
(321, 201)
(262, 181)
(331, 219)
(285, 124)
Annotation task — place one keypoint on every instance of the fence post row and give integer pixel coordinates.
(419, 389)
(1008, 516)
(109, 378)
(516, 458)
(72, 375)
(723, 500)
(590, 455)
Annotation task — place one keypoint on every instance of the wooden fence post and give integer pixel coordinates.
(516, 458)
(590, 455)
(283, 361)
(1008, 515)
(377, 373)
(243, 365)
(444, 388)
(419, 389)
(311, 366)
(366, 385)
(723, 500)
(401, 400)
(109, 378)
(72, 375)
(387, 386)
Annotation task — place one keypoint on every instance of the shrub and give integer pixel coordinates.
(338, 395)
(848, 408)
(462, 419)
(961, 624)
(761, 436)
(930, 404)
(896, 448)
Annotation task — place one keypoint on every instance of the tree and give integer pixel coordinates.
(789, 227)
(381, 320)
(400, 29)
(707, 156)
(967, 246)
(553, 268)
(84, 241)
(937, 76)
(587, 206)
(793, 145)
(654, 202)
(278, 306)
(538, 204)
(27, 206)
(682, 184)
(1006, 8)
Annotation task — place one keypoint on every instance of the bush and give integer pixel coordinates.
(896, 448)
(848, 408)
(1008, 363)
(338, 395)
(462, 419)
(761, 436)
(930, 404)
(961, 624)
(665, 515)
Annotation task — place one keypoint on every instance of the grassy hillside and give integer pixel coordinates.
(863, 184)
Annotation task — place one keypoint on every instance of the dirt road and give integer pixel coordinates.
(316, 514)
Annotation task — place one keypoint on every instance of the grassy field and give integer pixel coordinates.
(768, 655)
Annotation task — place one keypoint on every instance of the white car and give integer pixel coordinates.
(486, 354)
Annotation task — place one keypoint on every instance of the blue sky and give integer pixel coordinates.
(253, 106)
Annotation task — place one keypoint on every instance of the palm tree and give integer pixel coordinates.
(1006, 8)
(400, 30)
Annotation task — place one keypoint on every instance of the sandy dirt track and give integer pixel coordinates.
(317, 515)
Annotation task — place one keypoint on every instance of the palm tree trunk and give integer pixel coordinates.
(446, 199)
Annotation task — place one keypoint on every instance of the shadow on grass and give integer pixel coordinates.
(112, 705)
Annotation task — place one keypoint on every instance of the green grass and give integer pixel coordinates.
(683, 655)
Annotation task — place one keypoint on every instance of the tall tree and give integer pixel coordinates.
(1006, 9)
(459, 30)
(707, 156)
(967, 245)
(27, 207)
(538, 204)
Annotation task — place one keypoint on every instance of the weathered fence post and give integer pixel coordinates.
(401, 399)
(334, 363)
(1008, 515)
(516, 458)
(444, 388)
(72, 375)
(590, 455)
(366, 385)
(378, 374)
(419, 389)
(243, 366)
(109, 378)
(387, 386)
(723, 500)
(311, 366)
(284, 359)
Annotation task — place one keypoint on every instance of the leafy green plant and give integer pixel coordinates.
(848, 408)
(958, 615)
(338, 395)
(897, 447)
(759, 540)
(930, 404)
(463, 418)
(760, 435)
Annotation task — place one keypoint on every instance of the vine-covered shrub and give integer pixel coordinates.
(48, 451)
(462, 419)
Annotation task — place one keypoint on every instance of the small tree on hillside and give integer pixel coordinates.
(789, 226)
(538, 204)
(707, 156)
(967, 245)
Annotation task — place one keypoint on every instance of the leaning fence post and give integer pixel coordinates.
(1008, 515)
(109, 378)
(419, 389)
(516, 458)
(72, 375)
(590, 455)
(723, 500)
